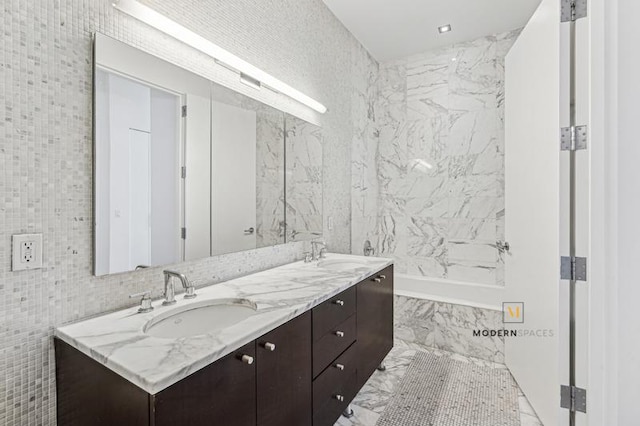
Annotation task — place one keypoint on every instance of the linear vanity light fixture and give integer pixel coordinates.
(249, 74)
(250, 81)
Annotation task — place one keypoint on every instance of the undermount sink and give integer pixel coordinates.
(200, 318)
(341, 264)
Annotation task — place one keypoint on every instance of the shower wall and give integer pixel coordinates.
(428, 178)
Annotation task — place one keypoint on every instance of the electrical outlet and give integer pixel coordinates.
(27, 252)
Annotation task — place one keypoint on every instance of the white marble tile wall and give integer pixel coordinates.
(269, 178)
(449, 327)
(436, 201)
(364, 151)
(304, 180)
(46, 156)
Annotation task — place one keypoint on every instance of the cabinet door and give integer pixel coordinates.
(374, 321)
(284, 374)
(221, 394)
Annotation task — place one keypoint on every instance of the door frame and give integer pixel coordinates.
(602, 392)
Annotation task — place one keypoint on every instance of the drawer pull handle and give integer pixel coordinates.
(270, 346)
(378, 280)
(384, 277)
(339, 397)
(247, 359)
(340, 333)
(340, 367)
(339, 302)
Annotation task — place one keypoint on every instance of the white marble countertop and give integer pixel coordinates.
(118, 340)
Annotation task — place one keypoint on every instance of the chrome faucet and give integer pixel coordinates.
(170, 291)
(145, 302)
(318, 249)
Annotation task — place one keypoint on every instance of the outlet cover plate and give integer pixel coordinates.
(27, 252)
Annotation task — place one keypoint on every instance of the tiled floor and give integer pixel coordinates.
(369, 404)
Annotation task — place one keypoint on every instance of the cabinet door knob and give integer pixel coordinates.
(247, 359)
(339, 397)
(340, 333)
(378, 280)
(384, 277)
(339, 302)
(270, 346)
(340, 367)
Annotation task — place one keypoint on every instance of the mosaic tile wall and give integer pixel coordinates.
(429, 184)
(46, 155)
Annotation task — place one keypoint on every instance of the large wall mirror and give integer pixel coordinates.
(186, 168)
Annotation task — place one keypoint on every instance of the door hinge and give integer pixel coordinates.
(184, 110)
(572, 10)
(183, 233)
(573, 398)
(573, 268)
(183, 172)
(573, 138)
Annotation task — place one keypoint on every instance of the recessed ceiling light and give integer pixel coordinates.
(444, 29)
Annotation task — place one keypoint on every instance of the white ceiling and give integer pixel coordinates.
(392, 29)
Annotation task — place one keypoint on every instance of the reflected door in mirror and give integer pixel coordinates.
(233, 184)
(137, 167)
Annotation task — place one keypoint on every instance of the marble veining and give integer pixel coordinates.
(449, 327)
(436, 200)
(376, 394)
(303, 180)
(118, 341)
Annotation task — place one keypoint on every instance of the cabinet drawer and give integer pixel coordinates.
(333, 343)
(334, 389)
(332, 312)
(332, 381)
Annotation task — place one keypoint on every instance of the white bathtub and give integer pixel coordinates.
(484, 296)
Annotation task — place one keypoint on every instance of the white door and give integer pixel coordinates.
(233, 179)
(139, 198)
(533, 211)
(197, 184)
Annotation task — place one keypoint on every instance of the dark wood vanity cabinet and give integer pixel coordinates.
(303, 373)
(222, 393)
(284, 375)
(374, 322)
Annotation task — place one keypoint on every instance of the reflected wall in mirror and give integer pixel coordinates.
(247, 164)
(186, 168)
(143, 145)
(138, 143)
(303, 180)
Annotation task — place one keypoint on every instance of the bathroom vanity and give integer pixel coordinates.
(316, 334)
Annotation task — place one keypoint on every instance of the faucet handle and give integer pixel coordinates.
(308, 257)
(323, 252)
(189, 291)
(145, 302)
(189, 288)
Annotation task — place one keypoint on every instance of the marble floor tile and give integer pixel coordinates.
(361, 417)
(371, 401)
